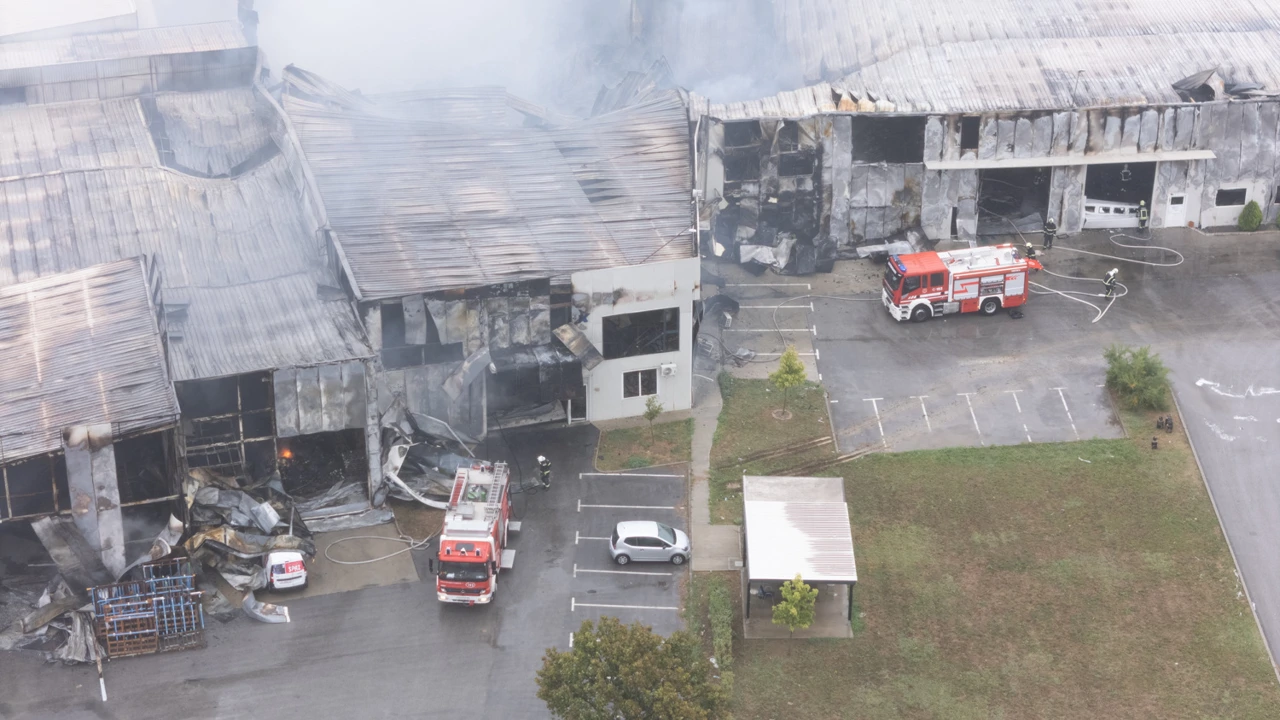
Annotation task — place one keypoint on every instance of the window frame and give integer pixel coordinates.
(1244, 197)
(640, 383)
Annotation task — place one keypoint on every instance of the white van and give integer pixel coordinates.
(286, 569)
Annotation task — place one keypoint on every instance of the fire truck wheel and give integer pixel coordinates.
(622, 559)
(921, 313)
(990, 306)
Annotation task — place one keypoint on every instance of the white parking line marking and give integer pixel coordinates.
(808, 307)
(806, 286)
(968, 400)
(1028, 432)
(923, 411)
(1015, 400)
(1064, 407)
(880, 424)
(622, 474)
(814, 329)
(574, 605)
(570, 641)
(577, 570)
(772, 354)
(578, 537)
(625, 507)
(760, 330)
(817, 356)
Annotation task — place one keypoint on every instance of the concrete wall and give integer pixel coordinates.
(632, 289)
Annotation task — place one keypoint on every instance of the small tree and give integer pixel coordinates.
(652, 409)
(1137, 377)
(1251, 216)
(790, 373)
(796, 608)
(627, 671)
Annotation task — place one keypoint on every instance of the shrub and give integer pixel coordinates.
(1138, 377)
(1251, 216)
(720, 610)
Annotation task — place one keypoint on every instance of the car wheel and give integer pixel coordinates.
(622, 559)
(921, 313)
(990, 306)
(677, 559)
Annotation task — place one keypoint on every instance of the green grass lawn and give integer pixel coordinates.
(1023, 582)
(747, 427)
(635, 448)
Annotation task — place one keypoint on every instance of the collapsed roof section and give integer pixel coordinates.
(81, 348)
(434, 194)
(246, 283)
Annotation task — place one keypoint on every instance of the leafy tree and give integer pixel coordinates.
(626, 671)
(652, 409)
(1138, 377)
(1251, 216)
(796, 609)
(790, 373)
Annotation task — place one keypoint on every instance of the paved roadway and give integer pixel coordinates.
(1215, 320)
(395, 652)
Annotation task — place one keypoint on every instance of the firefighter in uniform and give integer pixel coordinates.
(1031, 251)
(1109, 280)
(1143, 215)
(544, 471)
(1050, 231)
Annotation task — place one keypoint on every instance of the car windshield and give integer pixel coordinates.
(465, 571)
(667, 534)
(892, 278)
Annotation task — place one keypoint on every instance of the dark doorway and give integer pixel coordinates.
(1009, 195)
(955, 222)
(1121, 182)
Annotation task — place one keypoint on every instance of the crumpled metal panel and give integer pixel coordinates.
(326, 398)
(578, 344)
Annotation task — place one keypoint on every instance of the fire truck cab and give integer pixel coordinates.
(982, 279)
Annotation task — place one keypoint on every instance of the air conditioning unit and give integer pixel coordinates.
(668, 370)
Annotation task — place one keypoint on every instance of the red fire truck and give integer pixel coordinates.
(982, 279)
(473, 543)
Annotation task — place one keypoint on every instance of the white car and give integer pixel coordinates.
(286, 569)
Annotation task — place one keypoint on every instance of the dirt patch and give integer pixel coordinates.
(417, 520)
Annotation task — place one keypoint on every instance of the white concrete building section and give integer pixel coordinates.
(640, 317)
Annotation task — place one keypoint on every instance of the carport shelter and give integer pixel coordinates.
(797, 526)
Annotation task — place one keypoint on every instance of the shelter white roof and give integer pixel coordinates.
(809, 535)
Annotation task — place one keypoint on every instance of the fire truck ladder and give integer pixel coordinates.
(493, 511)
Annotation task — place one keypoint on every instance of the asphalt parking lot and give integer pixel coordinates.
(960, 380)
(647, 592)
(395, 651)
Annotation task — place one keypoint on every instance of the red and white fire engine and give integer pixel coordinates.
(473, 543)
(982, 279)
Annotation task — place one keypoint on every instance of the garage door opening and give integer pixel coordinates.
(1009, 197)
(1112, 193)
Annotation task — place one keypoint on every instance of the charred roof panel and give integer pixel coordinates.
(82, 184)
(80, 348)
(422, 205)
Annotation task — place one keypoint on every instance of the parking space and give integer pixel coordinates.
(774, 312)
(647, 592)
(962, 381)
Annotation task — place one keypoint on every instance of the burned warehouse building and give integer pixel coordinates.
(234, 303)
(968, 120)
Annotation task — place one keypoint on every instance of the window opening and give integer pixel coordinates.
(639, 383)
(643, 333)
(1231, 196)
(888, 139)
(969, 132)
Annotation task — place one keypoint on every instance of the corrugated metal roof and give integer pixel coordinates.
(810, 535)
(919, 56)
(82, 184)
(212, 132)
(421, 205)
(120, 45)
(24, 16)
(80, 348)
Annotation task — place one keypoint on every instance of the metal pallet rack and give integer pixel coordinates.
(158, 613)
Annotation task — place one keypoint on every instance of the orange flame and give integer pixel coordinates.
(286, 454)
